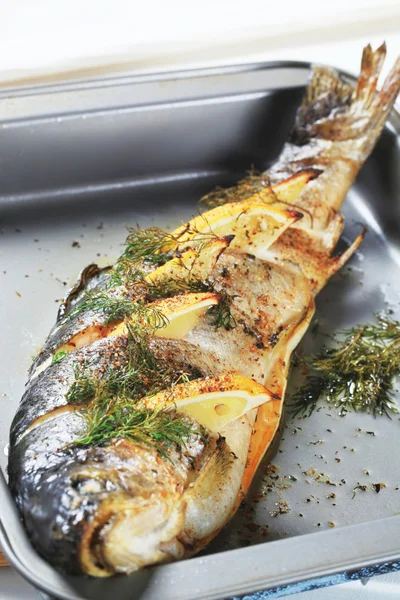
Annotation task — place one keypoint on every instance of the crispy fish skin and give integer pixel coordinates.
(76, 497)
(120, 506)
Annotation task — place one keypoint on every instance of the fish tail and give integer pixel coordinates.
(381, 103)
(335, 111)
(336, 128)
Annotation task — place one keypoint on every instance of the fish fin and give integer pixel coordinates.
(325, 94)
(339, 261)
(371, 66)
(269, 415)
(381, 104)
(333, 110)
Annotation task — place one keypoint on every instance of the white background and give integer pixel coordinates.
(75, 38)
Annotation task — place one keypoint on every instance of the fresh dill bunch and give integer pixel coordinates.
(252, 183)
(110, 419)
(357, 375)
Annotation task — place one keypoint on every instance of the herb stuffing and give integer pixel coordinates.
(357, 374)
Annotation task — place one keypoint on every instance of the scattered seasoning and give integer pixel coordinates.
(75, 244)
(315, 443)
(378, 487)
(18, 294)
(331, 524)
(331, 496)
(318, 477)
(370, 432)
(362, 488)
(301, 515)
(338, 460)
(283, 508)
(366, 472)
(330, 430)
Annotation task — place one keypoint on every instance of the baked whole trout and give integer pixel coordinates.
(161, 386)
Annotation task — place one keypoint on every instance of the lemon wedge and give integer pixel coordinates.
(290, 189)
(181, 312)
(254, 223)
(213, 402)
(192, 263)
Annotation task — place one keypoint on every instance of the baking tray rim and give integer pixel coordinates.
(153, 77)
(382, 534)
(244, 582)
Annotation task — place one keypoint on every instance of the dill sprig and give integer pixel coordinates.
(114, 418)
(111, 400)
(357, 375)
(140, 373)
(221, 313)
(252, 183)
(151, 247)
(117, 308)
(58, 357)
(164, 287)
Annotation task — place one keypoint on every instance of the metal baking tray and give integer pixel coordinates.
(80, 161)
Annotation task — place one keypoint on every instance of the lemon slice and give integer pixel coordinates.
(213, 402)
(182, 314)
(290, 189)
(254, 223)
(192, 263)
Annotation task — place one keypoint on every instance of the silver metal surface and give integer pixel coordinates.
(81, 165)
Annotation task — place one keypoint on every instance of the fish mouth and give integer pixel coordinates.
(123, 539)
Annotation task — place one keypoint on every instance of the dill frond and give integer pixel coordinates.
(357, 375)
(139, 374)
(252, 183)
(221, 314)
(111, 400)
(117, 308)
(151, 245)
(58, 357)
(166, 287)
(119, 418)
